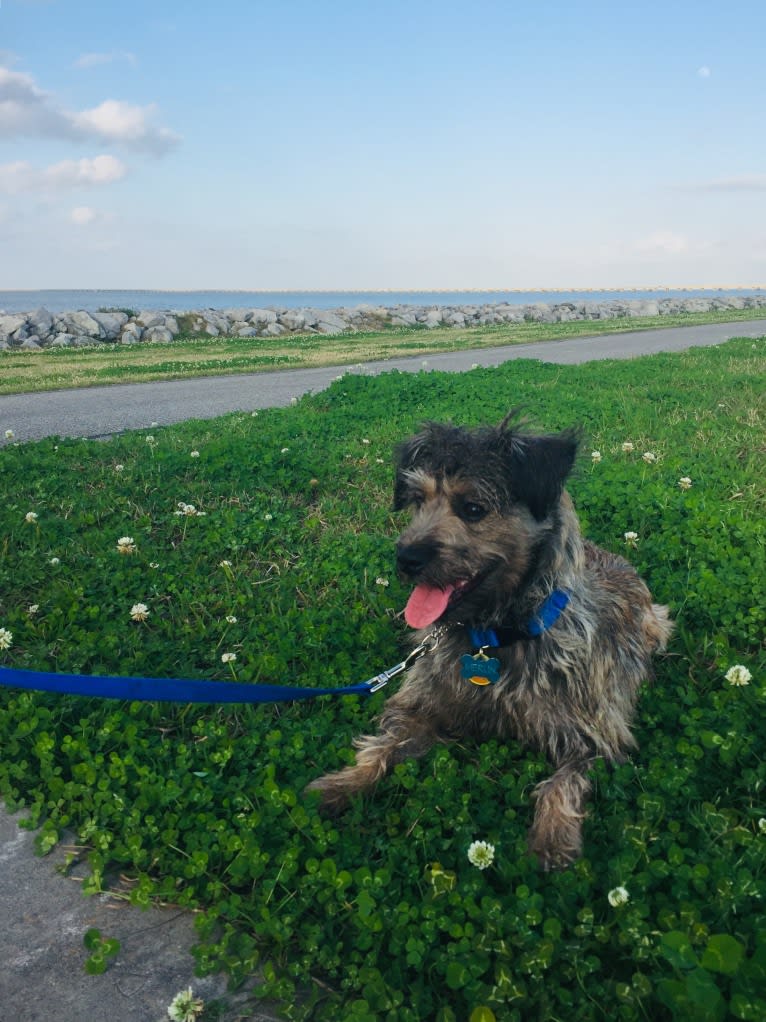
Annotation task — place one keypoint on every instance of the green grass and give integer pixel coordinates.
(379, 915)
(56, 368)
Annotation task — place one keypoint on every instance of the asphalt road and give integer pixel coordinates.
(102, 411)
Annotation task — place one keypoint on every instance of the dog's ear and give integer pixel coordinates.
(540, 466)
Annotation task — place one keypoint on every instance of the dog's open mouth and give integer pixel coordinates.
(428, 603)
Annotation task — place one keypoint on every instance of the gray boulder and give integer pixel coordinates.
(80, 323)
(262, 316)
(111, 323)
(63, 341)
(149, 317)
(131, 333)
(41, 321)
(9, 324)
(274, 330)
(158, 334)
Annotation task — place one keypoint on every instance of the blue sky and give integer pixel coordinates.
(419, 144)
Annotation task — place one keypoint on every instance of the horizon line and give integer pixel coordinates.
(402, 290)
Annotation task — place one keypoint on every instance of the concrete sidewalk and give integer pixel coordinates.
(45, 917)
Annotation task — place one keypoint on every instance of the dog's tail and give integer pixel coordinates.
(658, 627)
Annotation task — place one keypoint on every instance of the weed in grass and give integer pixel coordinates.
(383, 915)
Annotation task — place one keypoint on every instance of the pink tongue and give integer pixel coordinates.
(426, 605)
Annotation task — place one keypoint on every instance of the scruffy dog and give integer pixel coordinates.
(525, 630)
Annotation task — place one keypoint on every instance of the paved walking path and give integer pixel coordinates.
(102, 411)
(44, 915)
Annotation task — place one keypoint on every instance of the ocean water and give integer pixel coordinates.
(93, 300)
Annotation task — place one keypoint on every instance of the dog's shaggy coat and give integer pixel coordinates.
(493, 534)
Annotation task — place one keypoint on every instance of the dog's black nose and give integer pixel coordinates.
(412, 559)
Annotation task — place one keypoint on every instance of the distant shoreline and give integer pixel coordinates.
(43, 328)
(106, 299)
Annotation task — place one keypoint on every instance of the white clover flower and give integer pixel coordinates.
(481, 854)
(54, 561)
(631, 538)
(595, 456)
(268, 517)
(230, 619)
(762, 825)
(366, 442)
(153, 564)
(31, 517)
(228, 658)
(284, 450)
(627, 447)
(139, 612)
(649, 457)
(618, 896)
(738, 675)
(119, 468)
(189, 510)
(194, 454)
(150, 439)
(185, 1007)
(9, 434)
(381, 582)
(224, 564)
(293, 401)
(126, 545)
(685, 483)
(32, 609)
(6, 638)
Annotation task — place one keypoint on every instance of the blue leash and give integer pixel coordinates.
(179, 690)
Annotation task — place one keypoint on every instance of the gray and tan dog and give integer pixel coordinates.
(529, 631)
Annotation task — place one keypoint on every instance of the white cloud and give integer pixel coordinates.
(660, 244)
(21, 176)
(83, 215)
(95, 59)
(26, 110)
(738, 183)
(704, 71)
(124, 122)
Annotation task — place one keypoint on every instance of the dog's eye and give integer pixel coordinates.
(472, 512)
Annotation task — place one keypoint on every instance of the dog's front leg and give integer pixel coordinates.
(403, 734)
(556, 833)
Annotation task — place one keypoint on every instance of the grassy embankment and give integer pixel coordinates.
(51, 369)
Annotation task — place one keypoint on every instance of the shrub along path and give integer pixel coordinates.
(102, 411)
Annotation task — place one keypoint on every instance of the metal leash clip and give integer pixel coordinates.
(429, 643)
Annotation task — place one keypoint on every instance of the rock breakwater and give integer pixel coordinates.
(33, 331)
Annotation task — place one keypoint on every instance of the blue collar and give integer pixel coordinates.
(547, 615)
